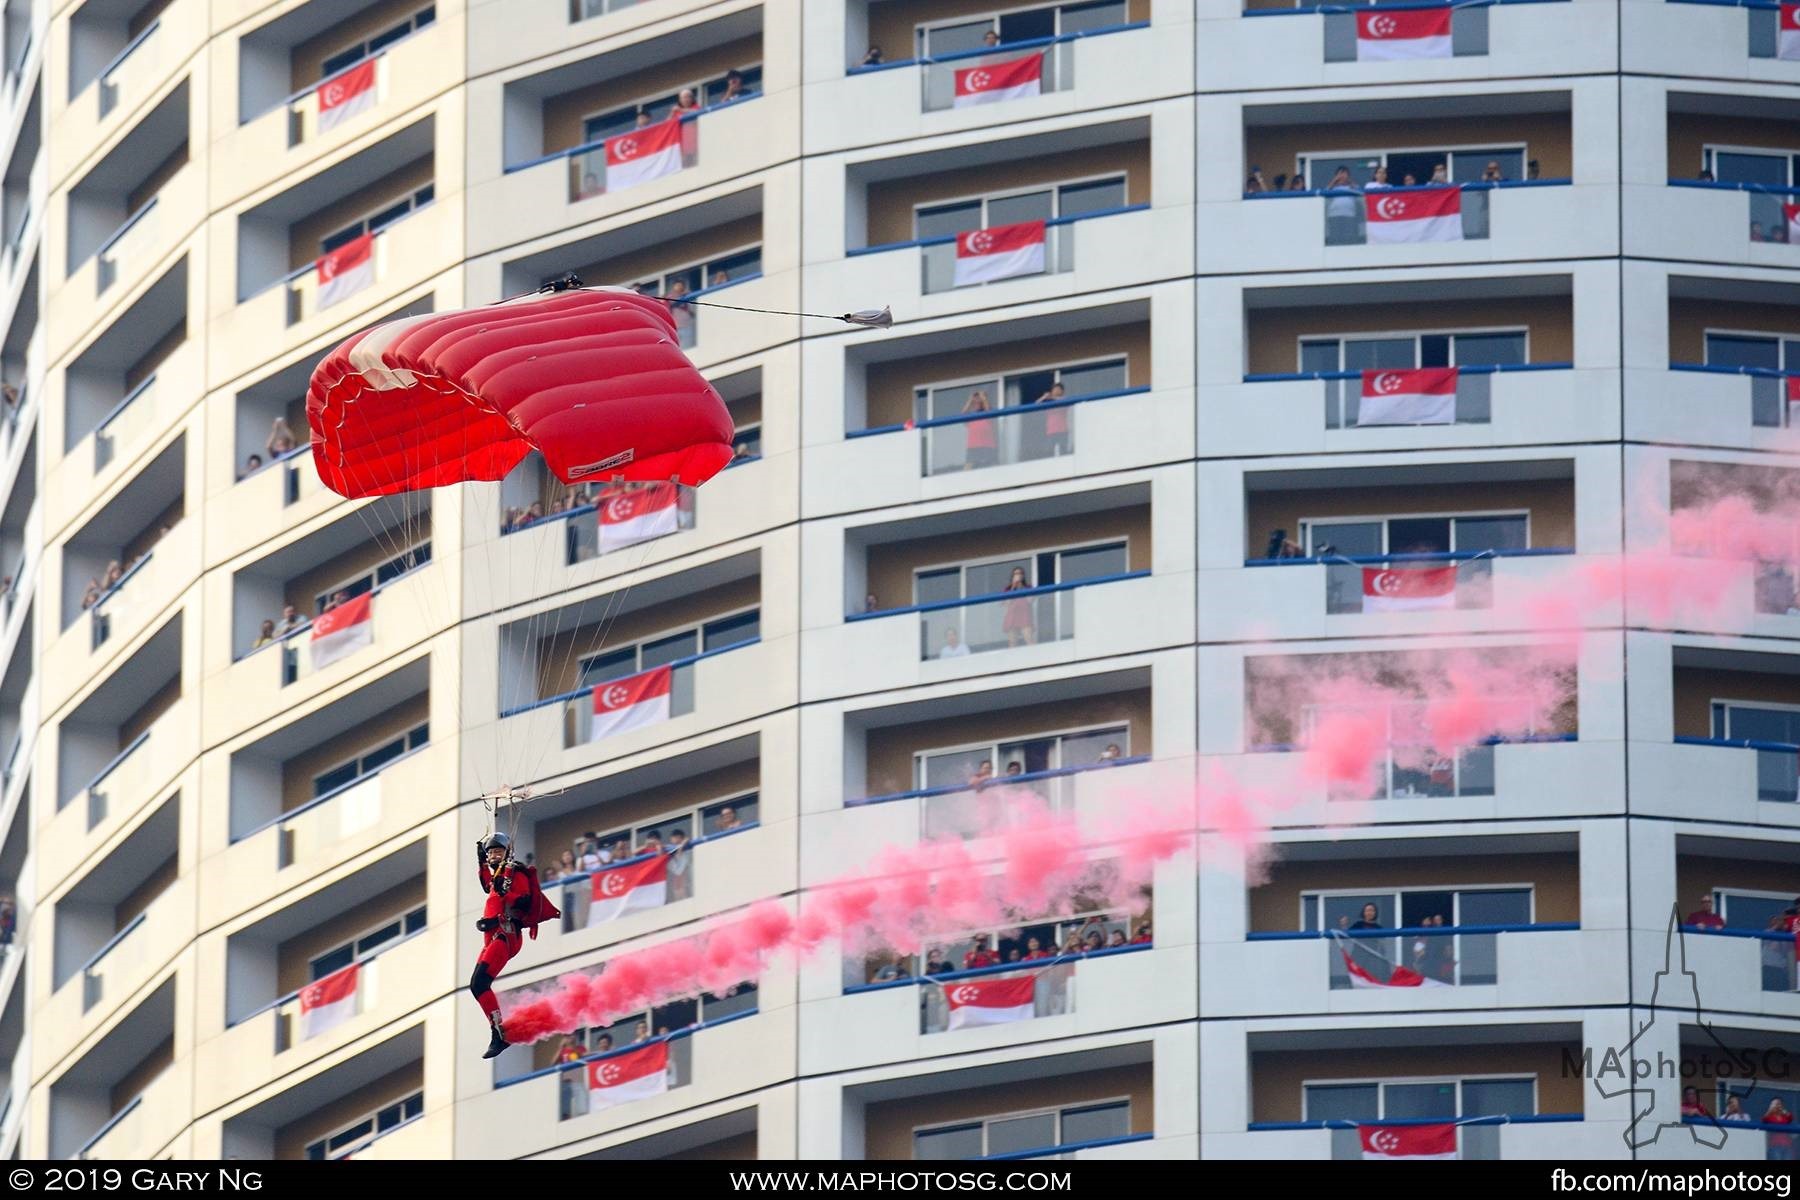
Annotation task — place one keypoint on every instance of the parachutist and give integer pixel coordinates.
(515, 902)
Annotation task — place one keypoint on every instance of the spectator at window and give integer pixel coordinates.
(1056, 421)
(1115, 939)
(1014, 768)
(566, 864)
(740, 453)
(1379, 183)
(290, 620)
(1145, 936)
(337, 598)
(873, 58)
(1705, 177)
(281, 438)
(681, 861)
(1691, 1105)
(115, 571)
(953, 645)
(590, 186)
(1112, 753)
(1253, 185)
(1034, 950)
(9, 396)
(1704, 917)
(982, 448)
(1781, 1145)
(734, 87)
(1734, 1111)
(1341, 208)
(1279, 183)
(571, 1049)
(1409, 180)
(1531, 169)
(252, 465)
(1281, 546)
(870, 603)
(1439, 175)
(685, 102)
(619, 851)
(535, 512)
(590, 852)
(1778, 956)
(990, 38)
(718, 277)
(727, 820)
(1297, 183)
(682, 313)
(603, 1044)
(886, 973)
(643, 118)
(9, 920)
(1092, 941)
(651, 844)
(265, 635)
(979, 955)
(640, 1033)
(1370, 919)
(1756, 232)
(982, 775)
(1491, 173)
(1016, 619)
(1071, 945)
(936, 963)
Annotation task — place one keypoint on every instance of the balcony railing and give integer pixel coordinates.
(1066, 1150)
(1777, 953)
(939, 72)
(998, 620)
(960, 811)
(582, 533)
(106, 607)
(302, 302)
(586, 168)
(578, 705)
(295, 665)
(1468, 24)
(1020, 433)
(1777, 765)
(15, 70)
(1764, 220)
(1774, 395)
(93, 978)
(290, 491)
(1783, 1142)
(1480, 1136)
(126, 768)
(576, 901)
(347, 809)
(1053, 985)
(128, 418)
(1348, 576)
(938, 254)
(1346, 209)
(1413, 771)
(1474, 386)
(117, 1120)
(111, 78)
(109, 256)
(687, 317)
(1472, 958)
(286, 1008)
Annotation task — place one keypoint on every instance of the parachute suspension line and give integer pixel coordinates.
(872, 318)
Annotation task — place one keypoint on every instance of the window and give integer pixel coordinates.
(1420, 1099)
(1741, 164)
(351, 55)
(376, 221)
(1741, 909)
(934, 400)
(381, 575)
(360, 1133)
(1017, 1132)
(358, 948)
(738, 265)
(370, 761)
(1373, 536)
(1500, 348)
(998, 624)
(1756, 722)
(1770, 351)
(1036, 204)
(1410, 907)
(748, 438)
(1019, 25)
(1463, 164)
(623, 119)
(621, 842)
(955, 767)
(729, 630)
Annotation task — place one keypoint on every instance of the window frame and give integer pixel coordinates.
(373, 574)
(1057, 1111)
(352, 943)
(1416, 335)
(994, 744)
(414, 205)
(404, 738)
(1381, 1084)
(1710, 151)
(1781, 340)
(1305, 524)
(984, 198)
(1456, 889)
(1000, 377)
(922, 29)
(373, 1119)
(637, 646)
(1303, 160)
(695, 813)
(367, 47)
(701, 264)
(701, 94)
(962, 565)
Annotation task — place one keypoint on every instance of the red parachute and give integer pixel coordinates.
(591, 378)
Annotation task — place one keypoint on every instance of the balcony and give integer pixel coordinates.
(534, 29)
(126, 1094)
(935, 263)
(305, 1117)
(1706, 39)
(1742, 407)
(705, 880)
(1054, 989)
(113, 71)
(26, 223)
(145, 591)
(1509, 1136)
(1744, 970)
(934, 813)
(144, 1127)
(1739, 223)
(692, 677)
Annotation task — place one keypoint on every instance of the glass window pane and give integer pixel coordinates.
(368, 942)
(1077, 18)
(1510, 907)
(342, 237)
(336, 960)
(1092, 378)
(1365, 353)
(963, 1141)
(1083, 749)
(1419, 1100)
(1344, 537)
(338, 62)
(947, 220)
(335, 778)
(1490, 349)
(415, 920)
(1498, 1098)
(950, 39)
(390, 214)
(1013, 1134)
(388, 37)
(1434, 350)
(1091, 562)
(1342, 1102)
(615, 664)
(1468, 166)
(1095, 1123)
(932, 587)
(953, 768)
(731, 631)
(1320, 171)
(1751, 912)
(1490, 533)
(668, 649)
(1076, 198)
(1027, 206)
(738, 266)
(1418, 535)
(1733, 350)
(1024, 24)
(1731, 166)
(381, 755)
(1319, 356)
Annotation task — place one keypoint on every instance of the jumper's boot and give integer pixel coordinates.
(498, 1042)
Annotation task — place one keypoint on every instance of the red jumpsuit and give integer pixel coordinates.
(515, 896)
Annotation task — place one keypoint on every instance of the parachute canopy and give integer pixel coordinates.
(591, 378)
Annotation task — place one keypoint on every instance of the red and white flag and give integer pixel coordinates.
(1388, 35)
(1014, 79)
(637, 513)
(635, 702)
(1426, 396)
(629, 887)
(1793, 401)
(1408, 1141)
(329, 1002)
(1399, 977)
(629, 1076)
(347, 270)
(347, 94)
(991, 1001)
(1791, 214)
(1788, 42)
(1388, 590)
(342, 631)
(984, 255)
(643, 154)
(1432, 214)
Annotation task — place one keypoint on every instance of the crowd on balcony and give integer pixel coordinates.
(280, 443)
(566, 500)
(1341, 180)
(99, 585)
(1020, 945)
(1781, 1145)
(593, 852)
(981, 775)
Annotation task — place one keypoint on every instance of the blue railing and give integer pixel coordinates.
(1015, 410)
(702, 840)
(112, 415)
(302, 448)
(995, 597)
(1001, 48)
(590, 147)
(131, 48)
(1505, 1119)
(295, 994)
(1439, 556)
(1726, 1122)
(1739, 744)
(327, 797)
(113, 237)
(675, 664)
(1386, 6)
(1304, 935)
(1473, 186)
(1294, 376)
(112, 942)
(947, 239)
(1711, 369)
(1766, 189)
(1067, 1148)
(1517, 739)
(124, 579)
(1036, 964)
(999, 781)
(117, 761)
(111, 1124)
(674, 1036)
(1756, 935)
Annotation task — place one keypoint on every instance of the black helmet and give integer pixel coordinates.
(497, 841)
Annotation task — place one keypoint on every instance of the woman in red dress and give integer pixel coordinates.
(1016, 620)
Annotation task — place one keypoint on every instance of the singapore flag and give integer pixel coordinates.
(347, 94)
(1788, 45)
(1404, 216)
(990, 1001)
(1013, 80)
(1413, 590)
(1423, 397)
(347, 270)
(1384, 36)
(633, 1075)
(638, 884)
(1000, 252)
(1408, 1141)
(635, 702)
(633, 513)
(643, 155)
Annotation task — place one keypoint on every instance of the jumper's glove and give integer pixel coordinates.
(488, 924)
(480, 852)
(502, 879)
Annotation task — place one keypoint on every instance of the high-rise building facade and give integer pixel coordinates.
(1179, 415)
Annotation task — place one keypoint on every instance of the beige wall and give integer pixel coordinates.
(152, 532)
(140, 20)
(145, 893)
(159, 175)
(297, 773)
(559, 658)
(891, 564)
(696, 247)
(1698, 874)
(302, 590)
(1556, 880)
(293, 955)
(891, 749)
(890, 384)
(891, 24)
(1551, 503)
(1276, 1075)
(151, 710)
(1274, 333)
(304, 235)
(1690, 133)
(1277, 148)
(891, 201)
(309, 56)
(1697, 687)
(743, 1146)
(888, 1126)
(291, 1140)
(554, 836)
(143, 1075)
(153, 358)
(565, 114)
(1690, 319)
